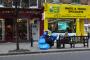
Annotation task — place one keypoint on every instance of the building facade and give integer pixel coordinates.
(29, 20)
(60, 24)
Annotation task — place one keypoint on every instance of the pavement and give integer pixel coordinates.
(9, 48)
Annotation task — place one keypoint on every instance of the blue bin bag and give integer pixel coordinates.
(53, 37)
(41, 40)
(45, 33)
(41, 36)
(42, 43)
(44, 46)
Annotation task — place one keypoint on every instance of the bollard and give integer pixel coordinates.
(58, 45)
(31, 42)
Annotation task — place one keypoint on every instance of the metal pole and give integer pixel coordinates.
(16, 33)
(31, 38)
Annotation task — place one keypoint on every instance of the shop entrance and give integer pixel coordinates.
(22, 30)
(9, 30)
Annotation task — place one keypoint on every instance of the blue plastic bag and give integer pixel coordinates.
(41, 41)
(54, 36)
(44, 46)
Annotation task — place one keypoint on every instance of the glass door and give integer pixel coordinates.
(22, 29)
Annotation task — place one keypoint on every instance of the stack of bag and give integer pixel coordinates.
(42, 44)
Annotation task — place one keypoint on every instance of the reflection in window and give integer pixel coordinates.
(33, 2)
(7, 3)
(0, 2)
(56, 1)
(25, 3)
(18, 2)
(75, 1)
(29, 3)
(53, 1)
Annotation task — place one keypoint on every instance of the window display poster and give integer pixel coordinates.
(62, 25)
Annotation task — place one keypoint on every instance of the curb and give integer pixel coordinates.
(39, 52)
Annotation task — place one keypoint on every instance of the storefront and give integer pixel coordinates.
(61, 18)
(28, 24)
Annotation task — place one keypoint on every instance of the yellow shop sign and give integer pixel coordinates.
(67, 11)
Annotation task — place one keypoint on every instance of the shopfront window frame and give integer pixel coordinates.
(59, 31)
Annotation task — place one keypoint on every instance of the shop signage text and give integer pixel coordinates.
(67, 11)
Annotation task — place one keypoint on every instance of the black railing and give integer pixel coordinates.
(72, 40)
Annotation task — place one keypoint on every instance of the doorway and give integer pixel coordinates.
(22, 30)
(9, 30)
(35, 31)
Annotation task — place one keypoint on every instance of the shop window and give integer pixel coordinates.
(53, 1)
(49, 1)
(42, 1)
(10, 3)
(76, 1)
(33, 3)
(0, 1)
(62, 26)
(25, 3)
(56, 1)
(7, 3)
(66, 1)
(18, 3)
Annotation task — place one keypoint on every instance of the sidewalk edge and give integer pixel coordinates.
(38, 52)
